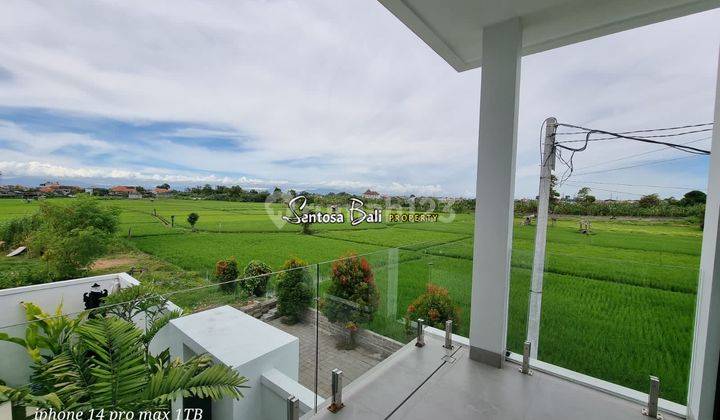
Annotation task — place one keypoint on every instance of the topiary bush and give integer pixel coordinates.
(255, 278)
(434, 306)
(226, 272)
(352, 297)
(293, 290)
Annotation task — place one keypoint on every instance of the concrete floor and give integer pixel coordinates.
(416, 383)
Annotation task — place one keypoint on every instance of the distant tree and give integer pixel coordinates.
(693, 197)
(650, 200)
(164, 186)
(71, 237)
(192, 219)
(292, 193)
(583, 196)
(277, 195)
(554, 194)
(672, 201)
(140, 189)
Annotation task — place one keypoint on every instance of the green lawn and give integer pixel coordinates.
(618, 304)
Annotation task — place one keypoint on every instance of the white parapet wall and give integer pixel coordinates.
(268, 357)
(14, 362)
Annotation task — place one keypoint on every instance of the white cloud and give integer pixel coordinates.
(342, 84)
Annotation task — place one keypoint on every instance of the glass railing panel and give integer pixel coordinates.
(618, 302)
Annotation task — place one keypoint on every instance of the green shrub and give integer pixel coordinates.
(255, 278)
(293, 291)
(70, 237)
(352, 296)
(192, 219)
(16, 231)
(434, 306)
(226, 272)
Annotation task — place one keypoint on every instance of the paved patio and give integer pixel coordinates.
(353, 363)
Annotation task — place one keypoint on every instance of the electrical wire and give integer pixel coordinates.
(589, 132)
(636, 137)
(643, 153)
(647, 163)
(642, 185)
(647, 130)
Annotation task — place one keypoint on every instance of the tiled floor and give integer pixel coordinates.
(422, 384)
(353, 363)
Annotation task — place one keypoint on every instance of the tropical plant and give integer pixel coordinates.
(20, 398)
(105, 364)
(129, 302)
(435, 307)
(352, 296)
(255, 278)
(140, 303)
(293, 293)
(226, 274)
(192, 219)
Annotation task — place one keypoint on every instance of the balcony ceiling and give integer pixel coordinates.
(453, 28)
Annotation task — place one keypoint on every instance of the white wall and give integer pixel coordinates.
(14, 362)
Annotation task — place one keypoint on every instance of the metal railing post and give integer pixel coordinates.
(448, 334)
(525, 369)
(420, 333)
(337, 403)
(652, 407)
(293, 408)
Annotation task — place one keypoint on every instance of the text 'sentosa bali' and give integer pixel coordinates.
(356, 213)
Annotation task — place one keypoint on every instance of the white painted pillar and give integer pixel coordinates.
(706, 342)
(494, 190)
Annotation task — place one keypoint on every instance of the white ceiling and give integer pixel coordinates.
(453, 28)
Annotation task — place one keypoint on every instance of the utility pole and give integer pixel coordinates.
(548, 164)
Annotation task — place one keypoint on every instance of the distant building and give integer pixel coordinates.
(370, 194)
(124, 191)
(55, 189)
(162, 192)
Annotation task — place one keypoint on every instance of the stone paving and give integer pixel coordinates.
(353, 363)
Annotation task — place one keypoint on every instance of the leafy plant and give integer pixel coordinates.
(435, 307)
(19, 398)
(226, 274)
(255, 278)
(293, 293)
(104, 363)
(15, 232)
(140, 303)
(352, 296)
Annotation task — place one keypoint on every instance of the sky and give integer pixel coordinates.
(324, 95)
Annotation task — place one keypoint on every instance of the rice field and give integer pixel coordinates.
(618, 304)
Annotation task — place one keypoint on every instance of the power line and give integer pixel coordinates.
(646, 163)
(606, 190)
(643, 153)
(591, 131)
(632, 138)
(646, 130)
(642, 185)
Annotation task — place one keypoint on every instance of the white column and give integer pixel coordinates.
(494, 190)
(706, 343)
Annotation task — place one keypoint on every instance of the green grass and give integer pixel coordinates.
(617, 304)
